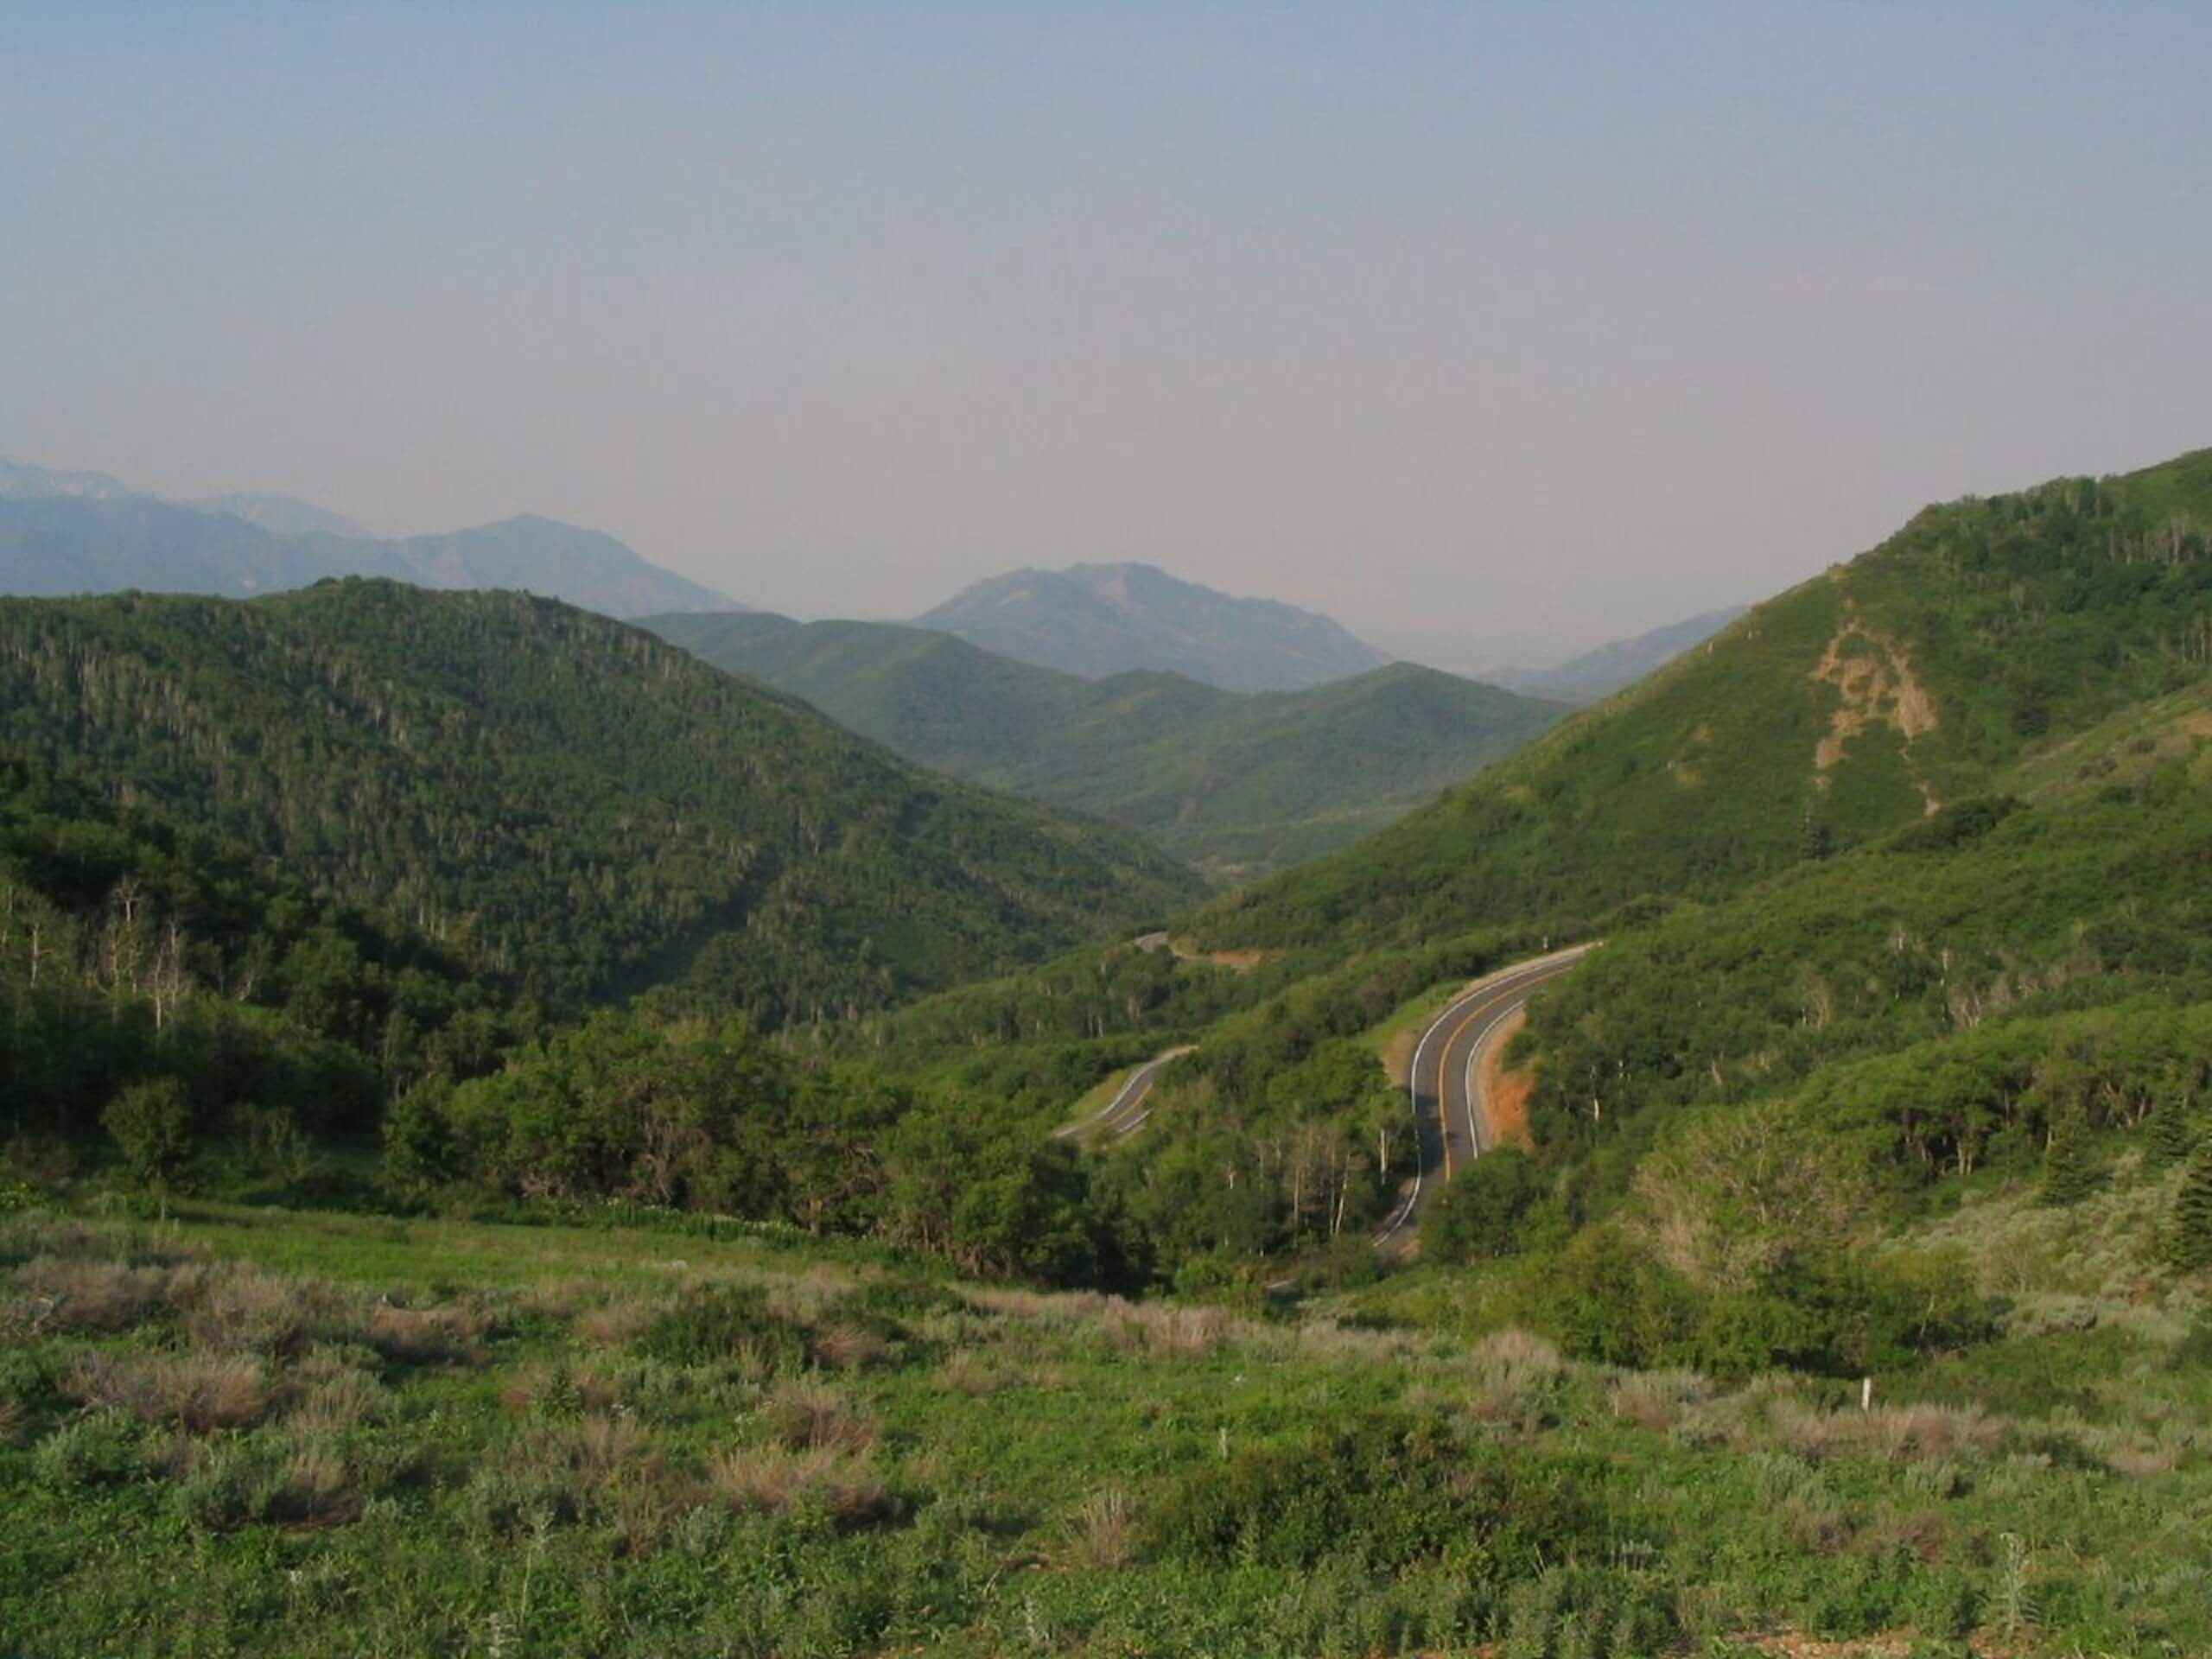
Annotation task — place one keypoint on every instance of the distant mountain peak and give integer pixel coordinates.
(1234, 783)
(1598, 674)
(1098, 620)
(283, 515)
(88, 533)
(21, 481)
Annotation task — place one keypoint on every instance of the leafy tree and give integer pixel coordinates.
(1478, 1215)
(151, 1124)
(995, 1202)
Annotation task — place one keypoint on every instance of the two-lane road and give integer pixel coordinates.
(1125, 1114)
(1444, 1089)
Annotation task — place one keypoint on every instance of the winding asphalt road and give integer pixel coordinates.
(1125, 1114)
(1445, 1086)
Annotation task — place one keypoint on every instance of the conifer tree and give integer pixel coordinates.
(2192, 1237)
(2069, 1169)
(2168, 1128)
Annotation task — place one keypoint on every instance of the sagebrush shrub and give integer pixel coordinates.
(719, 1324)
(104, 1449)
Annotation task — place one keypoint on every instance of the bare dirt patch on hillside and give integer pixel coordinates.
(1872, 675)
(1241, 960)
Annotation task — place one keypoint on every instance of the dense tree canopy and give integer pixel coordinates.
(567, 805)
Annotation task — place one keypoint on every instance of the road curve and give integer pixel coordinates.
(1125, 1114)
(1444, 1089)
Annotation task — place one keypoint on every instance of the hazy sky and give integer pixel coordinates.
(1534, 324)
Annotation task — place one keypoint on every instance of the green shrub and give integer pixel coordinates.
(713, 1325)
(888, 1306)
(1606, 1300)
(29, 1379)
(1829, 1311)
(1584, 1613)
(1479, 1214)
(104, 1448)
(1394, 1487)
(151, 1125)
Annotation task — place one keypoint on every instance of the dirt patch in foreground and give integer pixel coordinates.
(1505, 1093)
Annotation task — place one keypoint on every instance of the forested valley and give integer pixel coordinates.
(338, 923)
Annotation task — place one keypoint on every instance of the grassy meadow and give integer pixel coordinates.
(233, 1430)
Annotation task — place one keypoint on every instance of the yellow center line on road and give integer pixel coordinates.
(1443, 1102)
(1487, 1001)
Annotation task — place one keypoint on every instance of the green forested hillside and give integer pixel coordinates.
(1984, 631)
(1238, 784)
(1909, 1092)
(1974, 940)
(567, 804)
(1931, 812)
(163, 968)
(1618, 665)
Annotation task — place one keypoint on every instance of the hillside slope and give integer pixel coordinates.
(21, 481)
(55, 545)
(1864, 699)
(1600, 673)
(130, 949)
(283, 515)
(584, 567)
(66, 533)
(1963, 952)
(1100, 620)
(1237, 784)
(1900, 1069)
(574, 805)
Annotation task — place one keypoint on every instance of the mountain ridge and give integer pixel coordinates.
(282, 515)
(576, 806)
(75, 533)
(1098, 620)
(1234, 782)
(1596, 674)
(1844, 708)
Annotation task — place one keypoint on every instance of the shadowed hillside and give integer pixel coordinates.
(1237, 784)
(572, 806)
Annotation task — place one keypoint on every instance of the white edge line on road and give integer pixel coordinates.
(1502, 980)
(1474, 1059)
(1136, 1080)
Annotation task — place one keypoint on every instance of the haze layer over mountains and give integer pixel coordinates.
(1240, 736)
(1096, 620)
(1235, 783)
(85, 532)
(82, 532)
